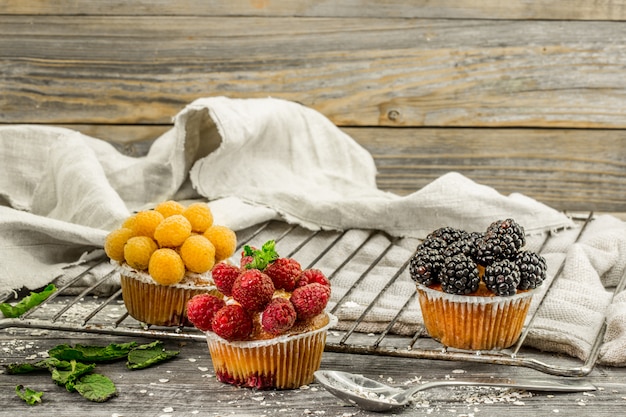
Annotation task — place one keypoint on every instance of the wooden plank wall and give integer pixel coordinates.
(525, 96)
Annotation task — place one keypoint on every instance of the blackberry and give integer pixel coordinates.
(532, 268)
(473, 237)
(502, 277)
(433, 242)
(465, 245)
(425, 264)
(502, 240)
(448, 234)
(459, 275)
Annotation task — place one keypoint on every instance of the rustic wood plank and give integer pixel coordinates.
(360, 72)
(568, 169)
(186, 386)
(484, 9)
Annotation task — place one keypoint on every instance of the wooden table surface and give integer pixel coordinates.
(186, 386)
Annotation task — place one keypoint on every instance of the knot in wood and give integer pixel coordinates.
(393, 115)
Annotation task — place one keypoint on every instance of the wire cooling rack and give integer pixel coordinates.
(76, 308)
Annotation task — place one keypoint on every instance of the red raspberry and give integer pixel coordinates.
(224, 275)
(246, 259)
(253, 290)
(231, 322)
(201, 309)
(309, 276)
(279, 316)
(284, 273)
(310, 300)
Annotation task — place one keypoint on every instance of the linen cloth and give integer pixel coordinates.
(61, 192)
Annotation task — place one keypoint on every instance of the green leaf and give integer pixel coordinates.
(72, 366)
(96, 387)
(43, 365)
(266, 255)
(68, 377)
(27, 303)
(147, 355)
(31, 397)
(88, 354)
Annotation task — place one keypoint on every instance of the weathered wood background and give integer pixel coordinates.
(525, 96)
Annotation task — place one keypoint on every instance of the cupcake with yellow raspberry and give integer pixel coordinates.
(269, 328)
(164, 259)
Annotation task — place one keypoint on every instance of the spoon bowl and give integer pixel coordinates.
(372, 395)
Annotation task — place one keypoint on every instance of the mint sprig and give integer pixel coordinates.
(47, 364)
(84, 353)
(72, 366)
(68, 377)
(261, 257)
(30, 396)
(27, 303)
(147, 355)
(96, 387)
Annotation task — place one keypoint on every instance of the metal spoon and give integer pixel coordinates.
(375, 396)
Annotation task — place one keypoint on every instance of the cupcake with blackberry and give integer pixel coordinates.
(475, 289)
(269, 328)
(165, 256)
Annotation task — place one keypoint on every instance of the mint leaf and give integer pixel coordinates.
(72, 367)
(248, 250)
(43, 365)
(266, 255)
(27, 303)
(96, 387)
(31, 397)
(82, 353)
(69, 377)
(147, 355)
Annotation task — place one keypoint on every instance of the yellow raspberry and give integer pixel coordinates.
(129, 223)
(166, 267)
(224, 240)
(115, 241)
(172, 231)
(198, 254)
(146, 222)
(200, 216)
(169, 208)
(138, 250)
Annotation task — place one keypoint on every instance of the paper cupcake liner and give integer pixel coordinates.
(158, 305)
(284, 362)
(473, 322)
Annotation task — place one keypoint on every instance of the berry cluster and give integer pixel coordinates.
(459, 260)
(170, 240)
(264, 296)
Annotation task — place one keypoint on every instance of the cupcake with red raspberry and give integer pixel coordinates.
(165, 256)
(269, 328)
(475, 289)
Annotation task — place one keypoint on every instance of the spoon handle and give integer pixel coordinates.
(551, 385)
